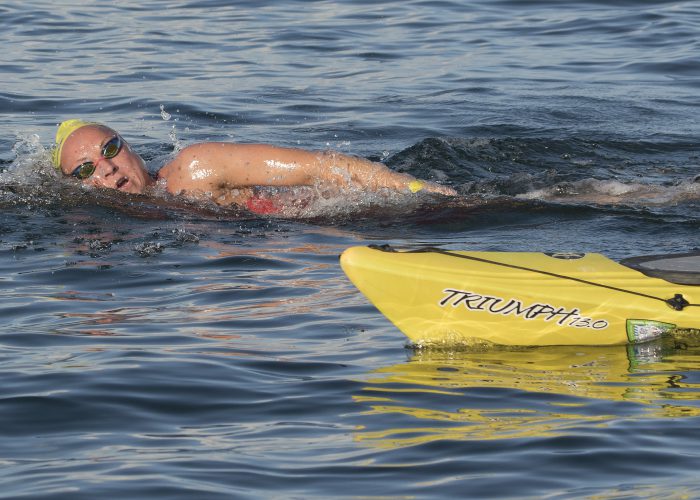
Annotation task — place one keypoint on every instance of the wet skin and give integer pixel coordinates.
(125, 172)
(214, 169)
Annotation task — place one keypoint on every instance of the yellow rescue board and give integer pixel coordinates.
(519, 298)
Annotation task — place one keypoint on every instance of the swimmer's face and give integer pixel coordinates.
(116, 166)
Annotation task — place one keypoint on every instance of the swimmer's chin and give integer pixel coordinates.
(130, 187)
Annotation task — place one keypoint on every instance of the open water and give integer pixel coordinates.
(150, 348)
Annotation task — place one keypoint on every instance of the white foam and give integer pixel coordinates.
(609, 192)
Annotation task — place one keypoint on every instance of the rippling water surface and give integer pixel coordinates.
(151, 348)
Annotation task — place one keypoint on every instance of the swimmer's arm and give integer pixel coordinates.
(344, 170)
(212, 166)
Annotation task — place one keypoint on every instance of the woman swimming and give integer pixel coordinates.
(222, 172)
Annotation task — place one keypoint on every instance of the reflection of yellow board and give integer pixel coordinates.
(454, 394)
(518, 298)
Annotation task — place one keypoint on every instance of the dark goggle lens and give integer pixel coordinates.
(84, 170)
(112, 148)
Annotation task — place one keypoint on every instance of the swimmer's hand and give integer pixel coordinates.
(418, 186)
(342, 170)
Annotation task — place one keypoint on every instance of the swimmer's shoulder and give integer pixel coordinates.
(174, 172)
(192, 168)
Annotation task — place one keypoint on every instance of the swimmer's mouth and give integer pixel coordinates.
(121, 182)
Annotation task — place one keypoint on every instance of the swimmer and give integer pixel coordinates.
(221, 171)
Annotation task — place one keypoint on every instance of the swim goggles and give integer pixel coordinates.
(111, 149)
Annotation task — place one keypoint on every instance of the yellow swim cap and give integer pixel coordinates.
(64, 130)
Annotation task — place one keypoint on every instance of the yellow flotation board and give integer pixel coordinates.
(526, 298)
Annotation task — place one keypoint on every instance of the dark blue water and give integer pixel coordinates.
(152, 348)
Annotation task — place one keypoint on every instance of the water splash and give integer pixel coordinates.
(164, 114)
(172, 134)
(29, 178)
(612, 192)
(537, 173)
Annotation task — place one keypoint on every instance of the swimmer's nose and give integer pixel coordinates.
(110, 167)
(114, 169)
